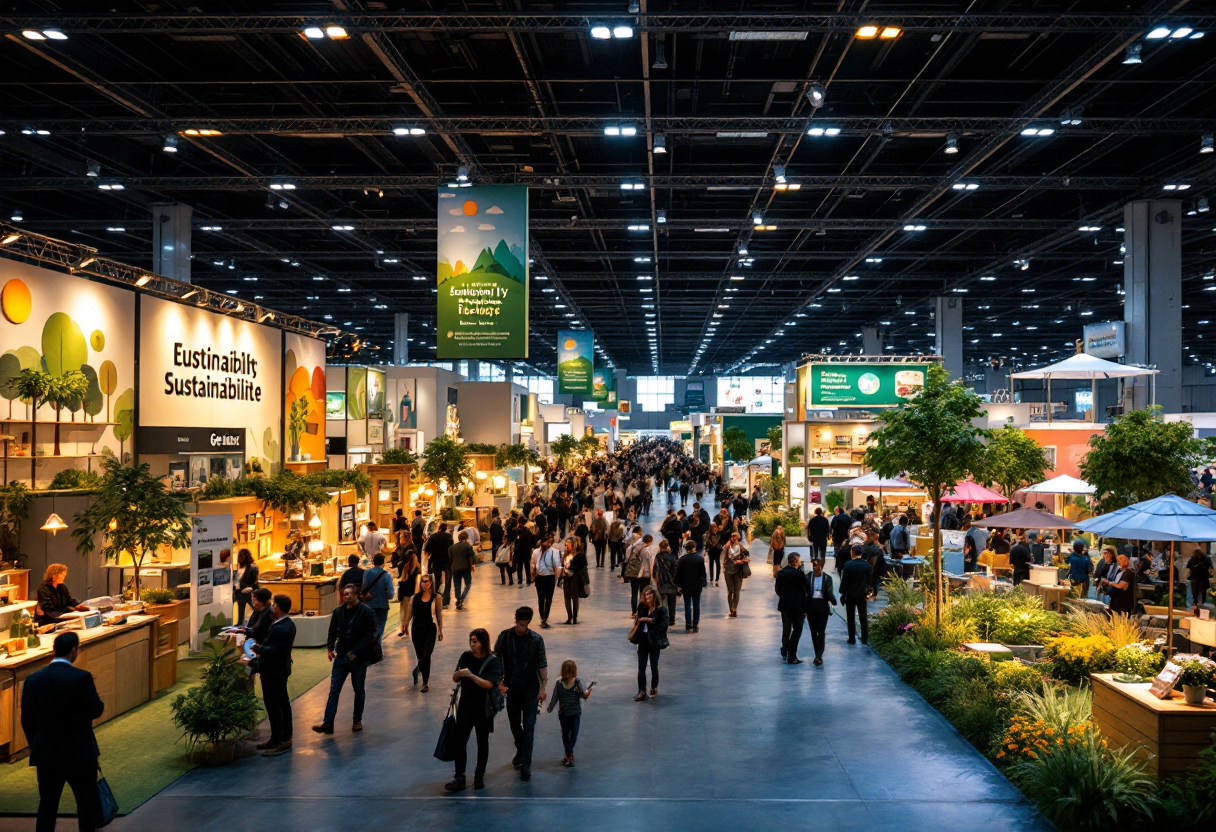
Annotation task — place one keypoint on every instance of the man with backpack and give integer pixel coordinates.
(638, 560)
(524, 678)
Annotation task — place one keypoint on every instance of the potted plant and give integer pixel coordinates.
(15, 503)
(217, 713)
(297, 423)
(1196, 677)
(795, 454)
(162, 602)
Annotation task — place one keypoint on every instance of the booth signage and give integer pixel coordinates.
(575, 360)
(694, 394)
(1106, 340)
(864, 384)
(482, 272)
(153, 440)
(210, 576)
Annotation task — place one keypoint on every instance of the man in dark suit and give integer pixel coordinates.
(817, 530)
(274, 664)
(690, 580)
(818, 596)
(438, 563)
(854, 588)
(58, 706)
(790, 587)
(840, 525)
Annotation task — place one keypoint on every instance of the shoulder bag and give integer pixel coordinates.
(584, 588)
(449, 742)
(495, 701)
(505, 553)
(635, 637)
(107, 806)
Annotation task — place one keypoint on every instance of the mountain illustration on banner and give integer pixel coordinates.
(503, 260)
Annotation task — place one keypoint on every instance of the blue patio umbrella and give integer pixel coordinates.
(1168, 517)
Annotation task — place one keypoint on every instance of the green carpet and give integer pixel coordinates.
(140, 752)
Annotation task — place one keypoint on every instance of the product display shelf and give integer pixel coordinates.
(51, 423)
(1167, 733)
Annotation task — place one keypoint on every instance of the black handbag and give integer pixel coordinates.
(449, 743)
(107, 806)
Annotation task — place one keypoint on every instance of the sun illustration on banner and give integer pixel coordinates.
(569, 344)
(16, 301)
(470, 208)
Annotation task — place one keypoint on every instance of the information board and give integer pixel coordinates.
(863, 384)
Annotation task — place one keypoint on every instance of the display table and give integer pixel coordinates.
(317, 595)
(1167, 734)
(121, 659)
(311, 630)
(1053, 595)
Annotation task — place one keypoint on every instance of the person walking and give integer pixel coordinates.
(715, 540)
(1199, 573)
(353, 574)
(791, 589)
(408, 572)
(418, 530)
(819, 596)
(599, 536)
(1120, 586)
(569, 694)
(525, 544)
(58, 706)
(496, 534)
(247, 582)
(274, 667)
(616, 542)
(525, 674)
(377, 592)
(901, 538)
(372, 543)
(639, 559)
(546, 565)
(663, 574)
(463, 560)
(776, 549)
(574, 577)
(854, 588)
(424, 615)
(649, 633)
(1080, 568)
(817, 530)
(690, 580)
(736, 566)
(438, 562)
(477, 672)
(840, 524)
(1020, 559)
(352, 634)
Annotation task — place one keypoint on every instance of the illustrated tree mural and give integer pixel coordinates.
(10, 368)
(107, 380)
(32, 386)
(62, 390)
(297, 423)
(63, 346)
(124, 418)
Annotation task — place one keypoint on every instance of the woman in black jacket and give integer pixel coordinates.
(246, 583)
(650, 635)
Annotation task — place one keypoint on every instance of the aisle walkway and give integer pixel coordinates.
(736, 740)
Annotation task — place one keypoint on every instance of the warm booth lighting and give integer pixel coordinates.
(315, 522)
(54, 523)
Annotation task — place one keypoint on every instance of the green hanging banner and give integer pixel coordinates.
(482, 273)
(575, 361)
(600, 384)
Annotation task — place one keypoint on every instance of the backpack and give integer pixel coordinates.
(661, 574)
(633, 563)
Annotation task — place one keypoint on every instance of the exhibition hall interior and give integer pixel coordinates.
(375, 375)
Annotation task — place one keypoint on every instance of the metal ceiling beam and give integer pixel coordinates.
(357, 24)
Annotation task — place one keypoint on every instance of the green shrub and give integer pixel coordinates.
(1085, 786)
(1025, 626)
(974, 709)
(1015, 678)
(397, 456)
(901, 593)
(1059, 708)
(1138, 660)
(222, 707)
(890, 623)
(75, 478)
(1189, 806)
(763, 522)
(833, 499)
(341, 479)
(221, 488)
(1008, 617)
(951, 634)
(157, 596)
(1075, 657)
(481, 448)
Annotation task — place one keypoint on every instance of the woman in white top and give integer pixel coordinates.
(546, 565)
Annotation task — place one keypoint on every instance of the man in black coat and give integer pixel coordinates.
(790, 587)
(690, 580)
(352, 632)
(274, 665)
(854, 587)
(818, 596)
(58, 706)
(1020, 559)
(840, 525)
(817, 530)
(438, 563)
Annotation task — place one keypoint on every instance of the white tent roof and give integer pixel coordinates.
(872, 480)
(1062, 484)
(1085, 366)
(761, 462)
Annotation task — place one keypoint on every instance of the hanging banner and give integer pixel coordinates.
(211, 563)
(482, 272)
(601, 381)
(610, 402)
(863, 384)
(575, 361)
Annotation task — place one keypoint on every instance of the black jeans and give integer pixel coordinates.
(817, 620)
(278, 707)
(569, 732)
(423, 639)
(819, 549)
(692, 609)
(599, 545)
(670, 599)
(81, 777)
(791, 633)
(855, 608)
(545, 584)
(506, 574)
(523, 567)
(571, 605)
(648, 651)
(242, 601)
(636, 585)
(715, 563)
(522, 705)
(616, 552)
(466, 725)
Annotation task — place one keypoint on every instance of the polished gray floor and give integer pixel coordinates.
(736, 740)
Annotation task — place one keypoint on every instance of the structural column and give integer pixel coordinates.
(171, 240)
(401, 339)
(1152, 303)
(873, 340)
(948, 344)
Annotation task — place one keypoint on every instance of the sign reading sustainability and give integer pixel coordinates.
(482, 272)
(575, 360)
(863, 385)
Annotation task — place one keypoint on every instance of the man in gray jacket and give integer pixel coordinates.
(462, 559)
(377, 591)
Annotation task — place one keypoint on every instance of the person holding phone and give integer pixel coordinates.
(569, 694)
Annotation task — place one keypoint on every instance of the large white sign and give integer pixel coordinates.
(1105, 340)
(201, 369)
(210, 576)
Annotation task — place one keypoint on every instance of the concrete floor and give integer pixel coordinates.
(736, 740)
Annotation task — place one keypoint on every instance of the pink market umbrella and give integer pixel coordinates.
(966, 491)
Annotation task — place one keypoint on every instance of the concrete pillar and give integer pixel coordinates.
(873, 340)
(171, 240)
(401, 340)
(1152, 304)
(948, 320)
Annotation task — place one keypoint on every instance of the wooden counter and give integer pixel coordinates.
(317, 595)
(1168, 729)
(121, 659)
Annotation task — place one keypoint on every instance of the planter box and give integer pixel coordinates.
(172, 611)
(1168, 734)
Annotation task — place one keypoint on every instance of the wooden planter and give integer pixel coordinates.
(1167, 734)
(172, 611)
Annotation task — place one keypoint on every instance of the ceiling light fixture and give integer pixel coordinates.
(779, 173)
(951, 145)
(660, 143)
(406, 130)
(1132, 56)
(823, 131)
(93, 170)
(1205, 143)
(170, 144)
(816, 94)
(660, 218)
(1038, 131)
(336, 32)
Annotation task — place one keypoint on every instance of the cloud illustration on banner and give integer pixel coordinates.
(485, 227)
(460, 229)
(455, 212)
(493, 209)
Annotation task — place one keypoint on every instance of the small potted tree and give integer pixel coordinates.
(1196, 677)
(297, 424)
(216, 714)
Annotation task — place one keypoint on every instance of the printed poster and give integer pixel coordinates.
(211, 564)
(575, 360)
(482, 272)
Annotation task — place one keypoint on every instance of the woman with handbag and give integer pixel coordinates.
(736, 566)
(574, 574)
(713, 548)
(424, 613)
(477, 672)
(408, 568)
(649, 633)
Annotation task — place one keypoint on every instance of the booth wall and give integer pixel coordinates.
(430, 390)
(304, 378)
(86, 573)
(489, 411)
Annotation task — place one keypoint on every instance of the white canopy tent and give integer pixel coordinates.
(1062, 484)
(1085, 366)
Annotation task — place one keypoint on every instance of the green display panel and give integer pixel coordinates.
(482, 272)
(863, 385)
(601, 383)
(575, 361)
